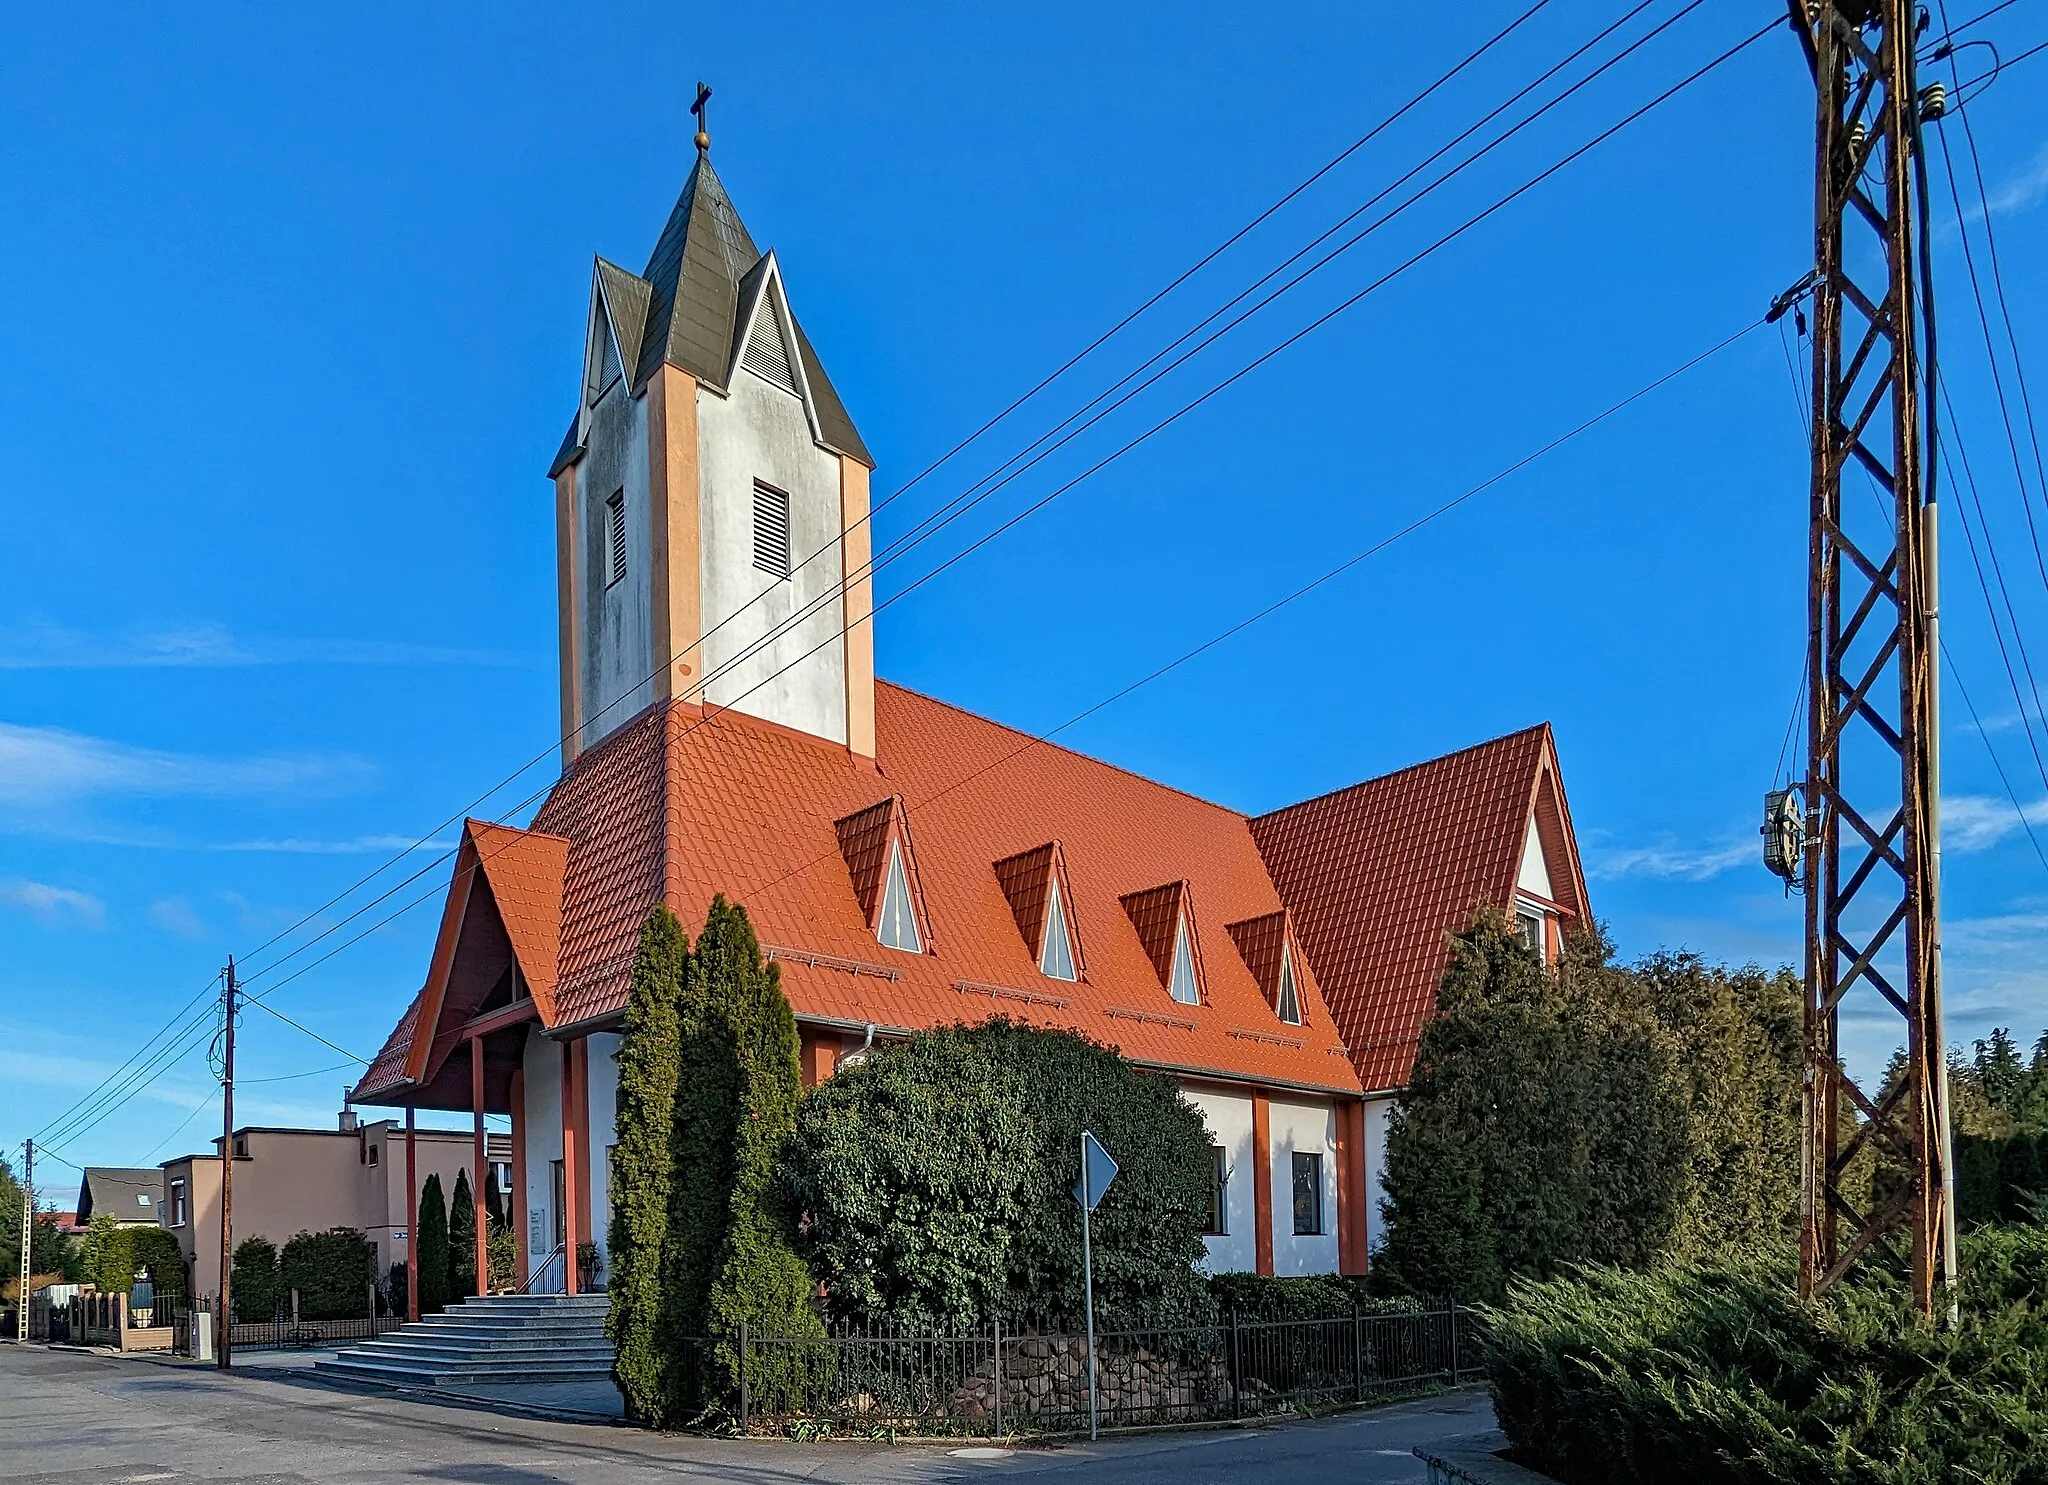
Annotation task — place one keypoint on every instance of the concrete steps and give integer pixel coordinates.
(500, 1341)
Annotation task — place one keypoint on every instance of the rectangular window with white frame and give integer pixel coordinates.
(1532, 927)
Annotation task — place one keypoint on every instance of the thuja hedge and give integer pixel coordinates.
(936, 1180)
(1718, 1373)
(331, 1270)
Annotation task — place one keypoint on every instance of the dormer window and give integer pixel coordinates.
(1056, 957)
(1182, 984)
(898, 928)
(615, 537)
(1287, 1004)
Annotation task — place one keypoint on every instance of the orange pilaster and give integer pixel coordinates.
(412, 1222)
(1351, 1214)
(569, 1170)
(477, 1176)
(515, 1199)
(818, 1051)
(1262, 1180)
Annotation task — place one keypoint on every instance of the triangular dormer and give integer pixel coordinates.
(883, 869)
(1165, 920)
(1267, 946)
(1041, 901)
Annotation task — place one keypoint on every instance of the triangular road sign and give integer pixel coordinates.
(1097, 1171)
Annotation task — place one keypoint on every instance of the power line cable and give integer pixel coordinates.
(1978, 722)
(1330, 575)
(1316, 324)
(973, 497)
(1055, 375)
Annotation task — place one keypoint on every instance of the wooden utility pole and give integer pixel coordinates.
(28, 1237)
(1871, 851)
(224, 1327)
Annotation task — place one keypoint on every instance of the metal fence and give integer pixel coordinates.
(284, 1331)
(878, 1381)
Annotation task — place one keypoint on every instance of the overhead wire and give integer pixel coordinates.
(1239, 234)
(1436, 245)
(1328, 576)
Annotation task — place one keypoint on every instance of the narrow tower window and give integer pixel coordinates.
(1289, 1006)
(771, 530)
(766, 355)
(608, 369)
(615, 538)
(1056, 958)
(898, 928)
(1181, 984)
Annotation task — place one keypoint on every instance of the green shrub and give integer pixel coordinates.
(1308, 1297)
(331, 1270)
(430, 1248)
(1589, 1112)
(462, 1238)
(1717, 1372)
(257, 1286)
(153, 1253)
(937, 1178)
(641, 1168)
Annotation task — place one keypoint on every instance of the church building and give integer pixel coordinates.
(907, 863)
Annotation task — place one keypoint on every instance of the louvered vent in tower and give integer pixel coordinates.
(771, 530)
(766, 355)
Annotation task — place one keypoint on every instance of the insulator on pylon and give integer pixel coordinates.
(1933, 102)
(1784, 834)
(1857, 136)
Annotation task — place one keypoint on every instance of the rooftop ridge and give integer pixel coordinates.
(1034, 738)
(1381, 778)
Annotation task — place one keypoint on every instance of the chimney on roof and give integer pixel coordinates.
(349, 1122)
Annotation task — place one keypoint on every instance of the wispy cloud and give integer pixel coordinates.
(361, 845)
(52, 647)
(1977, 822)
(58, 907)
(176, 916)
(40, 766)
(2027, 188)
(1672, 860)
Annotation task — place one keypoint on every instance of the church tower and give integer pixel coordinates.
(710, 498)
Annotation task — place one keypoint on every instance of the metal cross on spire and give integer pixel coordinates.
(703, 116)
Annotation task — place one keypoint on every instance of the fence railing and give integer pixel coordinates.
(876, 1381)
(283, 1331)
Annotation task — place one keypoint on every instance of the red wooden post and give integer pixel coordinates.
(1262, 1183)
(476, 1190)
(412, 1224)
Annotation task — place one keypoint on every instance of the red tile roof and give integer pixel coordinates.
(1378, 874)
(681, 804)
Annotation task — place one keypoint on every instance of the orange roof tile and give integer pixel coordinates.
(1378, 874)
(682, 803)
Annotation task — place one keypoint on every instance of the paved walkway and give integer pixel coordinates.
(72, 1419)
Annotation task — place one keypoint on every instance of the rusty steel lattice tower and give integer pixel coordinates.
(1872, 859)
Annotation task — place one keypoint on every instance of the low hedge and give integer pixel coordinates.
(1311, 1297)
(1719, 1373)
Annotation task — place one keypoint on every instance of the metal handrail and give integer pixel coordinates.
(545, 1264)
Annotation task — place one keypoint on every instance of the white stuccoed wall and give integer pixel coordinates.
(543, 1128)
(1229, 1117)
(1311, 1129)
(1378, 1111)
(603, 1122)
(618, 638)
(760, 432)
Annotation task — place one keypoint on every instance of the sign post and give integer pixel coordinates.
(1097, 1171)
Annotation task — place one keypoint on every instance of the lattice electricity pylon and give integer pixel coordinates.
(1872, 859)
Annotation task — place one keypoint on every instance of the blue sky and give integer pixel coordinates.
(291, 311)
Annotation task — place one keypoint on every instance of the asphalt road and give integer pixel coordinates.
(75, 1419)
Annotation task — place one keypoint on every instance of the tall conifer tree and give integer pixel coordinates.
(430, 1247)
(462, 1239)
(640, 1324)
(759, 1279)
